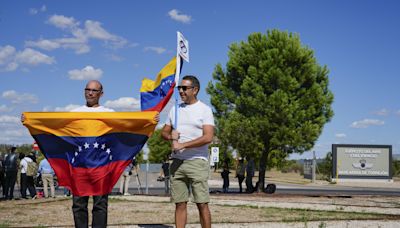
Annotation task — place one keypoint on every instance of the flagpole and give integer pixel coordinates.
(176, 92)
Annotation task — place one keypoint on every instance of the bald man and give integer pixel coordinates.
(93, 92)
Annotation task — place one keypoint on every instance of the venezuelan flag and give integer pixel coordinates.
(154, 95)
(89, 151)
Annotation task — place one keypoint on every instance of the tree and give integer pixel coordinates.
(272, 96)
(159, 148)
(325, 167)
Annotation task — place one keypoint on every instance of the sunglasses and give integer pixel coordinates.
(184, 88)
(92, 90)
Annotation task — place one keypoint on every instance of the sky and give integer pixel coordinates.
(50, 49)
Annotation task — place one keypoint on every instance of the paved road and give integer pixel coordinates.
(157, 188)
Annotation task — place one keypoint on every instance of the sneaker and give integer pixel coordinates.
(34, 197)
(126, 194)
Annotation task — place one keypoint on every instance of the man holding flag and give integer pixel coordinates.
(190, 140)
(89, 148)
(93, 92)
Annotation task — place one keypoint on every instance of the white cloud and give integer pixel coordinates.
(32, 57)
(158, 50)
(94, 30)
(34, 11)
(124, 104)
(63, 22)
(177, 16)
(47, 45)
(115, 58)
(14, 133)
(60, 109)
(87, 73)
(9, 119)
(4, 108)
(382, 112)
(340, 135)
(10, 59)
(7, 53)
(17, 98)
(80, 36)
(366, 123)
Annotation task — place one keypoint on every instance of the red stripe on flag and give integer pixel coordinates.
(88, 181)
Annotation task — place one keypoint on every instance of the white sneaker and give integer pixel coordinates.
(126, 194)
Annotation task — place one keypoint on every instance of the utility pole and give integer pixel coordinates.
(314, 166)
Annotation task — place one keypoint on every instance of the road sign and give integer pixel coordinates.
(215, 154)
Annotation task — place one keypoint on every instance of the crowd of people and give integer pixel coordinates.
(23, 170)
(243, 171)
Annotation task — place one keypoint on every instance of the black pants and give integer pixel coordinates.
(11, 177)
(240, 179)
(27, 182)
(249, 184)
(99, 211)
(3, 183)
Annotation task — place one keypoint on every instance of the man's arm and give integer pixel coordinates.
(168, 133)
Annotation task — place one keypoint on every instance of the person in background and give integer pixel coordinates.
(67, 192)
(124, 180)
(240, 171)
(165, 173)
(26, 181)
(47, 174)
(225, 177)
(10, 171)
(2, 178)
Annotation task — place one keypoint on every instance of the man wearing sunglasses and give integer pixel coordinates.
(190, 166)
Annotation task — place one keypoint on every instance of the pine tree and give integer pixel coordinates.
(273, 96)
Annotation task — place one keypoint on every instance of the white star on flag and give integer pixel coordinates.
(86, 145)
(95, 145)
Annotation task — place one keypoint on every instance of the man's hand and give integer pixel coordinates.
(175, 135)
(157, 117)
(177, 147)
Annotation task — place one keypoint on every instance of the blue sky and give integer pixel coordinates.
(49, 49)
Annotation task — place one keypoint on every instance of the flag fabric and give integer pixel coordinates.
(154, 95)
(87, 150)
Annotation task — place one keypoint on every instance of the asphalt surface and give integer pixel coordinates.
(155, 187)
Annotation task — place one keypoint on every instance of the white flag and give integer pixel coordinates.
(183, 47)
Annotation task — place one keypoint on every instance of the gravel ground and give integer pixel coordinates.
(228, 210)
